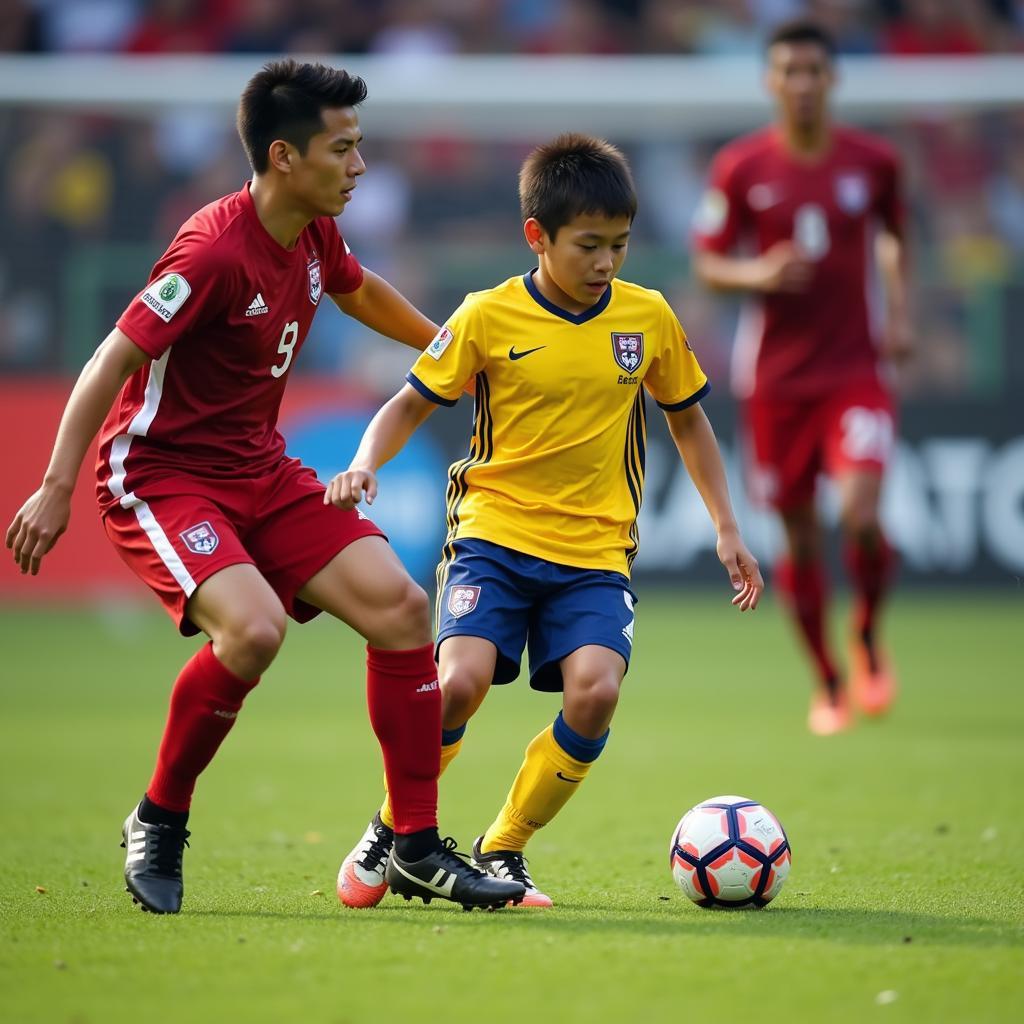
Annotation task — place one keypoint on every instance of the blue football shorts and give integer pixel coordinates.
(514, 599)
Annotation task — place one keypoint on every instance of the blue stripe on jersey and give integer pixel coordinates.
(481, 447)
(427, 393)
(687, 402)
(574, 318)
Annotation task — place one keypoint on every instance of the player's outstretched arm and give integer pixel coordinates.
(44, 517)
(897, 342)
(384, 438)
(384, 309)
(698, 447)
(782, 268)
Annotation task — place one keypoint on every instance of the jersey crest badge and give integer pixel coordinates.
(316, 284)
(201, 539)
(167, 295)
(462, 600)
(628, 350)
(852, 193)
(442, 340)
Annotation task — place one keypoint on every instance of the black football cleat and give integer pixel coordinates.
(445, 874)
(152, 867)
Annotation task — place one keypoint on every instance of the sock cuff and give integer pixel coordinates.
(576, 746)
(211, 667)
(450, 736)
(416, 663)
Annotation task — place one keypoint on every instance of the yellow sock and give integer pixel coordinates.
(448, 754)
(547, 779)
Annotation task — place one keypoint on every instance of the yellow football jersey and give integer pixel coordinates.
(556, 461)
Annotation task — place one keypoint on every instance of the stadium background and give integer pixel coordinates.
(116, 123)
(905, 898)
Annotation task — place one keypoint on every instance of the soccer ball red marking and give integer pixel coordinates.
(730, 852)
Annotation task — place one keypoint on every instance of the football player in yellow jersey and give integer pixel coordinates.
(542, 512)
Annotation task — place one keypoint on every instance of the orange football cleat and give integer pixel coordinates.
(361, 878)
(829, 713)
(510, 864)
(871, 679)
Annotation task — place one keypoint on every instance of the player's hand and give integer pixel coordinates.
(36, 527)
(785, 268)
(742, 568)
(347, 489)
(898, 342)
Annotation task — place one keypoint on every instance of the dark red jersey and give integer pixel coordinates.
(803, 345)
(224, 314)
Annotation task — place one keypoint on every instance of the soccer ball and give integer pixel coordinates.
(729, 852)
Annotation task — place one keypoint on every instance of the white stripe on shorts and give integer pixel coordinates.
(161, 545)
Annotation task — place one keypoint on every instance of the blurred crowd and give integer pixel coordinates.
(499, 26)
(89, 201)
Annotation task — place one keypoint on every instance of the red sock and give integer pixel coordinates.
(204, 703)
(805, 590)
(871, 567)
(405, 711)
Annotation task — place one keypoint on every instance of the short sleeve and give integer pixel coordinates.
(343, 273)
(674, 377)
(187, 289)
(718, 221)
(453, 358)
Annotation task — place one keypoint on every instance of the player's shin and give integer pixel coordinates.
(557, 761)
(404, 702)
(451, 744)
(804, 589)
(205, 701)
(870, 563)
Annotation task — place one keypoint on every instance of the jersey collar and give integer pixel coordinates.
(574, 318)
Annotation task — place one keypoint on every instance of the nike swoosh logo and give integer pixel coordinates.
(513, 354)
(565, 778)
(441, 890)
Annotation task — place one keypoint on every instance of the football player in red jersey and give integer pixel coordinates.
(199, 499)
(808, 197)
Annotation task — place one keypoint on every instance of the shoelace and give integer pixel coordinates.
(165, 848)
(454, 859)
(513, 867)
(377, 850)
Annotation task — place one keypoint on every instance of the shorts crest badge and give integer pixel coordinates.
(462, 600)
(628, 350)
(316, 284)
(201, 539)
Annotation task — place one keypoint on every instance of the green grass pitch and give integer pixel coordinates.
(905, 902)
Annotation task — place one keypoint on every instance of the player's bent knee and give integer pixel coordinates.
(463, 690)
(594, 698)
(404, 619)
(861, 522)
(248, 647)
(413, 612)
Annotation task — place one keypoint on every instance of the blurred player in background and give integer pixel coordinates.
(807, 198)
(542, 513)
(199, 499)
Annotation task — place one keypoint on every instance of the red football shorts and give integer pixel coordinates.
(790, 441)
(183, 529)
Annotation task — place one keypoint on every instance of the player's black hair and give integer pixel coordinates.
(802, 30)
(575, 174)
(285, 100)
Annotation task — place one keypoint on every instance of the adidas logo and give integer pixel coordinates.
(136, 846)
(427, 687)
(257, 307)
